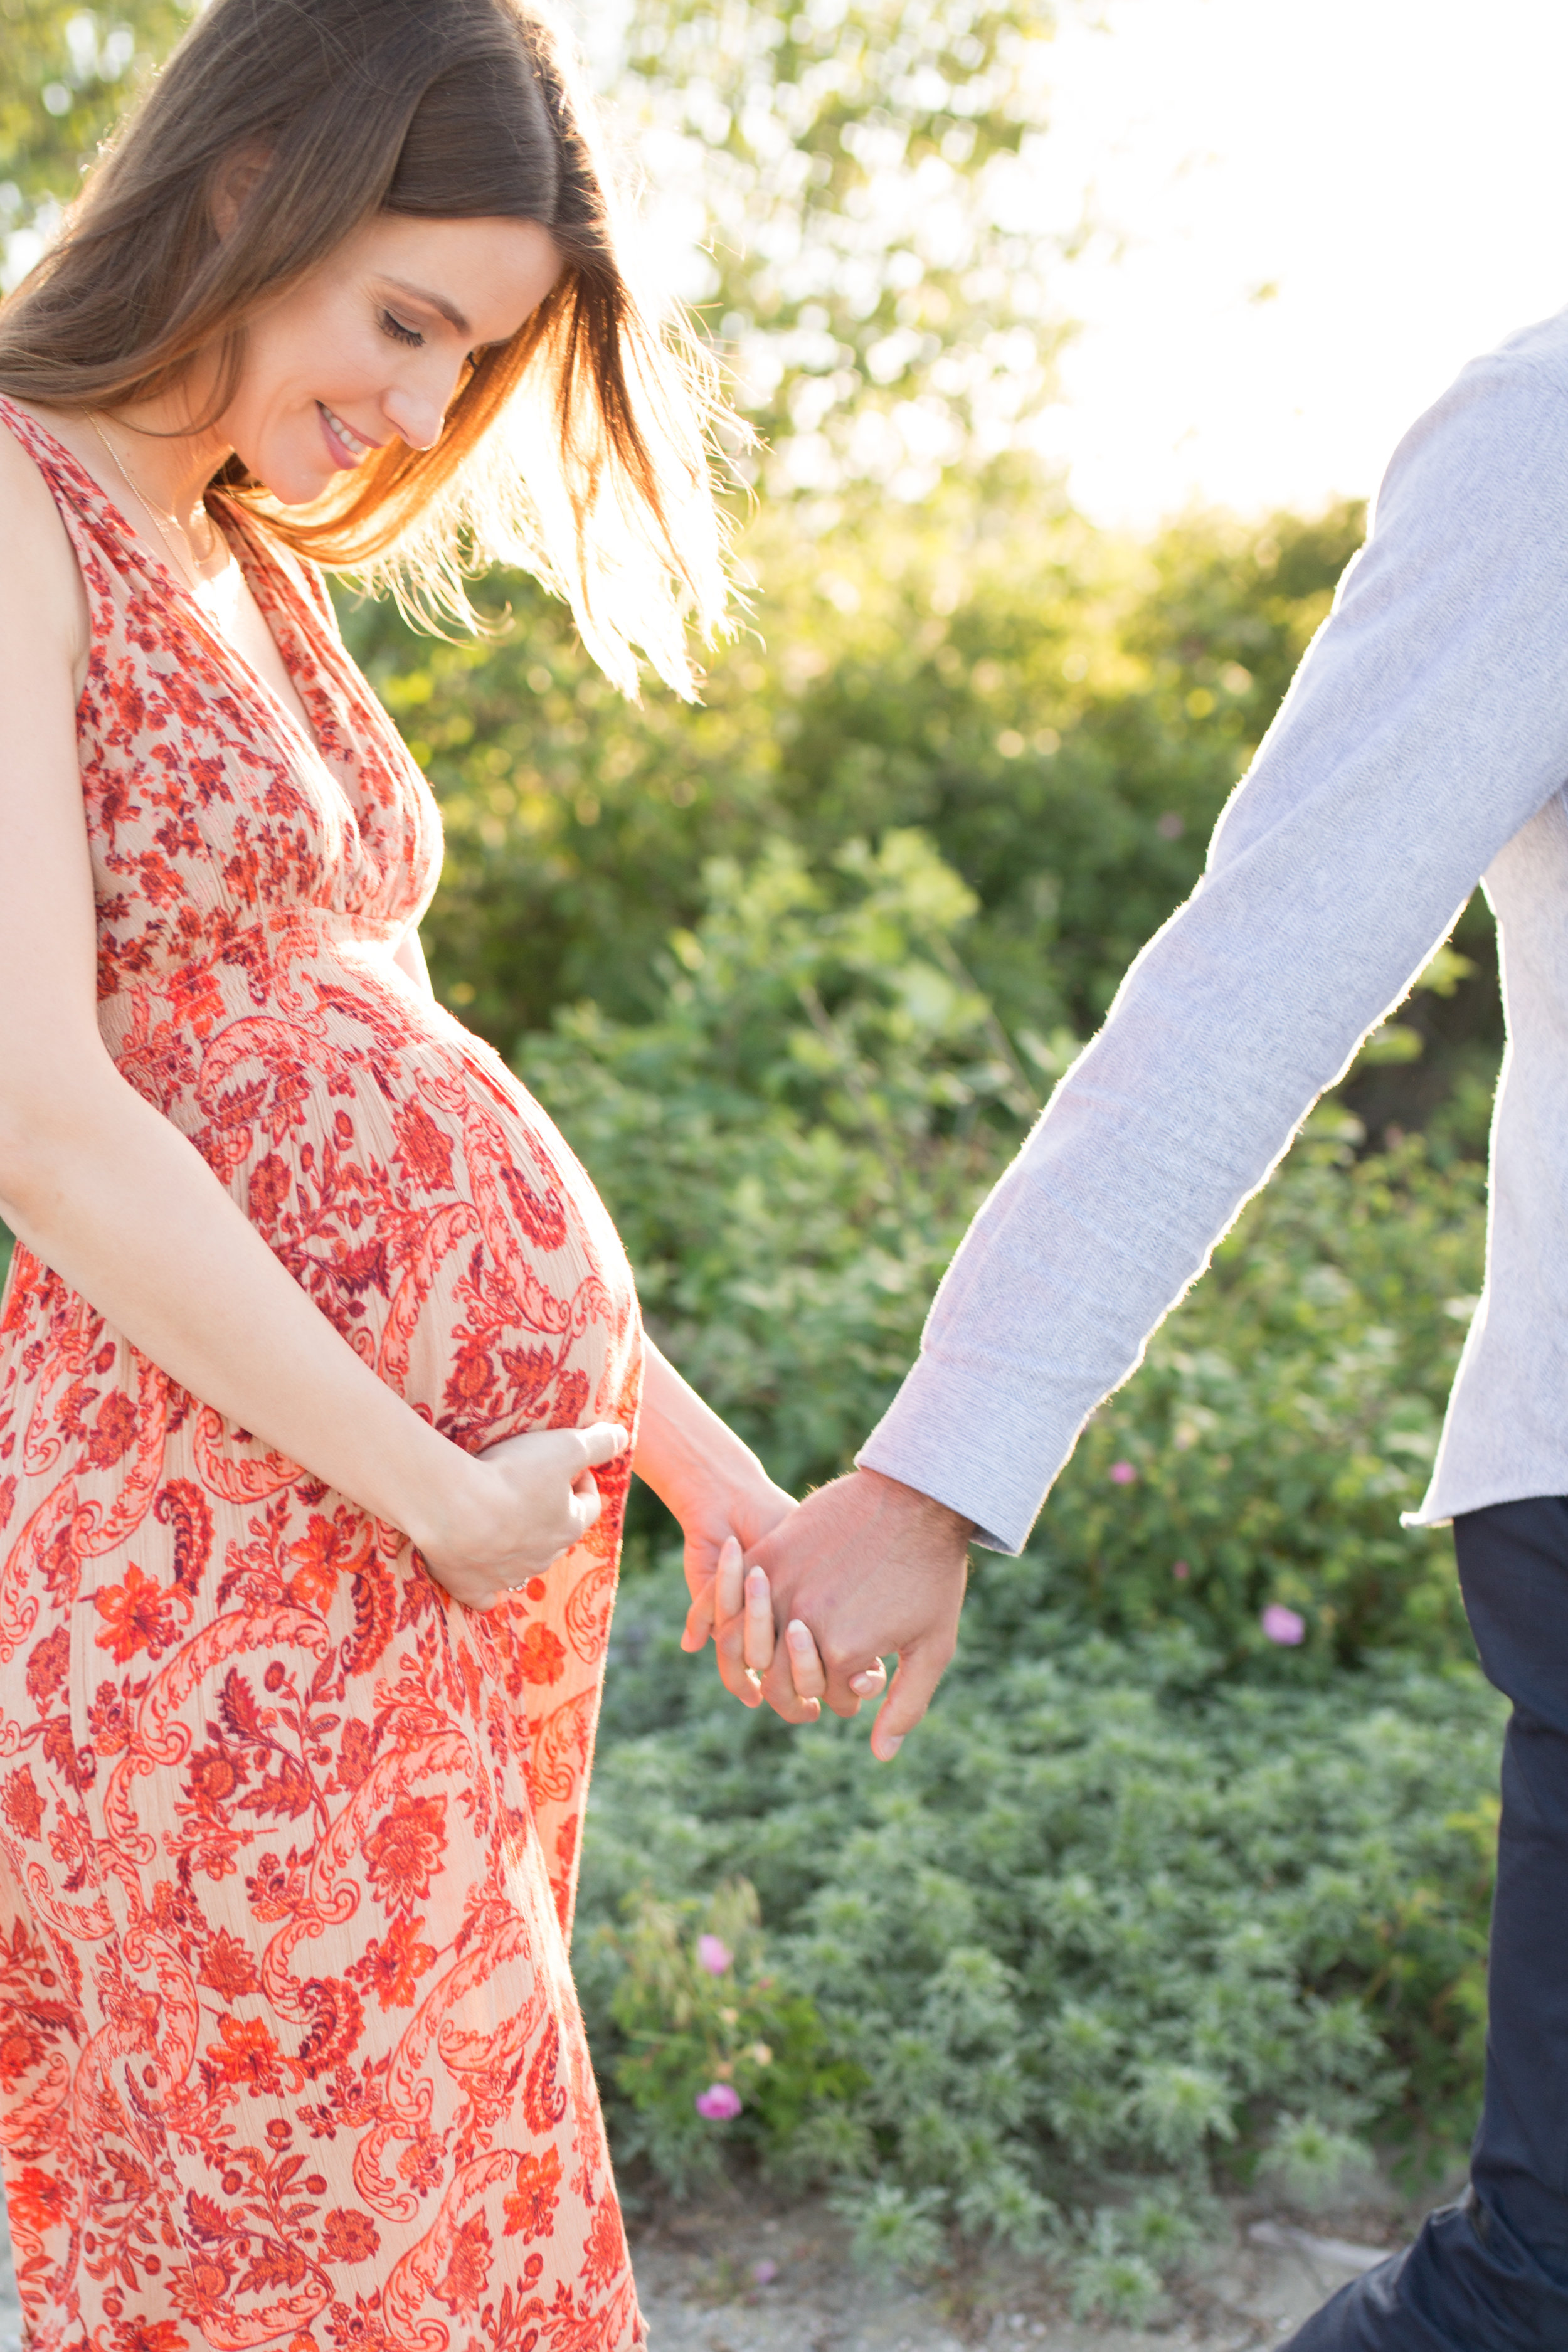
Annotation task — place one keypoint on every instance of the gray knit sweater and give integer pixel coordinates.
(1424, 743)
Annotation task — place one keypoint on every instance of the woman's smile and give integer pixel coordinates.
(346, 446)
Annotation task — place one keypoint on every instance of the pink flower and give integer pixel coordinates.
(1180, 1571)
(714, 1956)
(719, 2102)
(1122, 1474)
(1282, 1625)
(764, 2273)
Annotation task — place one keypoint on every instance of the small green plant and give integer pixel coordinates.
(1110, 2282)
(715, 2048)
(1313, 2167)
(895, 2230)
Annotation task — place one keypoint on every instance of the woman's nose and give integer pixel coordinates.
(414, 416)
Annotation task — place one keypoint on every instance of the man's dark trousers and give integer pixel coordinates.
(1491, 2274)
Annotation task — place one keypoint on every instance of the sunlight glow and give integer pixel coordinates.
(1325, 210)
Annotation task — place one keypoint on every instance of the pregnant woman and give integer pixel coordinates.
(316, 1328)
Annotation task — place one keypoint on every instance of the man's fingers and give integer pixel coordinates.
(805, 1670)
(913, 1685)
(871, 1682)
(759, 1622)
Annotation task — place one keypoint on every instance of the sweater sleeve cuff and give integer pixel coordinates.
(985, 1453)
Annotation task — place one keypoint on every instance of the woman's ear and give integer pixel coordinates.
(238, 177)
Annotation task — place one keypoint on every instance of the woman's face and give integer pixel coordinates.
(370, 347)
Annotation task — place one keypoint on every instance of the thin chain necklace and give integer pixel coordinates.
(177, 538)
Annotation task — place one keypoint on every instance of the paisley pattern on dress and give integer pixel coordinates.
(289, 2052)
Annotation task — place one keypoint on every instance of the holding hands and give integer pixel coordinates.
(864, 1565)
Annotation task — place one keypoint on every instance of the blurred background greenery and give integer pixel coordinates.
(1157, 1904)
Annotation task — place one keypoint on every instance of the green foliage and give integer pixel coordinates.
(870, 263)
(1284, 1418)
(64, 72)
(1062, 715)
(1119, 1925)
(896, 2231)
(1311, 2166)
(791, 1149)
(1111, 2282)
(696, 2011)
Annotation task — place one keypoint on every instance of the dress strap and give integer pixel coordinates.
(97, 527)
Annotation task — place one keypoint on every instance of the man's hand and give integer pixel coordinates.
(866, 1565)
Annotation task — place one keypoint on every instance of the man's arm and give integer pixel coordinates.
(1427, 723)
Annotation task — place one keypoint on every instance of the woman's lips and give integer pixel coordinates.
(346, 446)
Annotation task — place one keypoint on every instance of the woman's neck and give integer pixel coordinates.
(168, 462)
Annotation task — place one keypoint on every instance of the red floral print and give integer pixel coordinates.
(290, 2054)
(541, 1655)
(391, 1970)
(531, 2207)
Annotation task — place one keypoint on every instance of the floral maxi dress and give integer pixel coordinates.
(289, 2052)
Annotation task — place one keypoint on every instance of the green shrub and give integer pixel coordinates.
(1120, 1925)
(1060, 711)
(792, 1149)
(699, 2019)
(1285, 1417)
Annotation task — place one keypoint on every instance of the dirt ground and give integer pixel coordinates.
(738, 2274)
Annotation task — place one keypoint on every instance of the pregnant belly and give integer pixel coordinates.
(422, 1197)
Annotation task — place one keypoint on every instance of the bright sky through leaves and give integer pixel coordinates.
(1397, 169)
(1312, 217)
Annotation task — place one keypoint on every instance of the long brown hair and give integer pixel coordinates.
(580, 448)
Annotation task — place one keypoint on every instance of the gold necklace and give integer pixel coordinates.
(177, 538)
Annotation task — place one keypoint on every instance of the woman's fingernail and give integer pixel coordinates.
(890, 1746)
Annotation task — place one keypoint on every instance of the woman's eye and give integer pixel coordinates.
(398, 331)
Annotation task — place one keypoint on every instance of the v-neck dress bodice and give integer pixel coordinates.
(288, 1839)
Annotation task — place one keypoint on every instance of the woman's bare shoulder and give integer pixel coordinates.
(42, 597)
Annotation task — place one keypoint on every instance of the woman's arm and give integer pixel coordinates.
(726, 1503)
(104, 1190)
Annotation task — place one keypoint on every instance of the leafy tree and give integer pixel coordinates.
(66, 71)
(1044, 701)
(854, 168)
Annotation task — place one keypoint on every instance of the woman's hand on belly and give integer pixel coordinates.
(530, 1499)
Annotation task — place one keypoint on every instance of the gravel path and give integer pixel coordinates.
(732, 2279)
